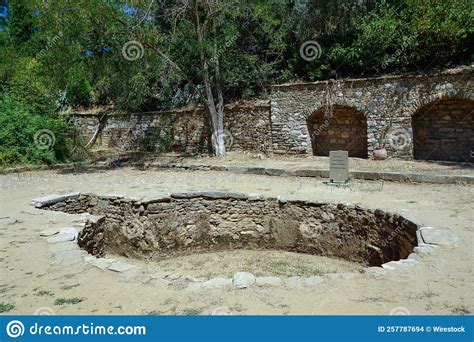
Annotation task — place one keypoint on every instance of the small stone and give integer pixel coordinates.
(120, 267)
(173, 276)
(90, 258)
(218, 283)
(49, 232)
(70, 257)
(438, 236)
(255, 197)
(133, 275)
(414, 256)
(243, 280)
(158, 198)
(423, 248)
(269, 282)
(102, 263)
(216, 194)
(62, 237)
(52, 199)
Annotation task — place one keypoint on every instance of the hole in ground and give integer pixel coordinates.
(163, 226)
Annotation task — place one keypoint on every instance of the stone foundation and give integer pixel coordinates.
(170, 225)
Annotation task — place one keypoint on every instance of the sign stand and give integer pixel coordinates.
(338, 168)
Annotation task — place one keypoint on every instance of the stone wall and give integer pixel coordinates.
(166, 225)
(357, 115)
(444, 130)
(387, 103)
(345, 129)
(247, 127)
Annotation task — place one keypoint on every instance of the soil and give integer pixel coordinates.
(322, 163)
(441, 283)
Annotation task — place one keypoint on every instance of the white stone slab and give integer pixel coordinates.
(120, 267)
(243, 280)
(339, 166)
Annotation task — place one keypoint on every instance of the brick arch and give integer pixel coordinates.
(426, 100)
(345, 129)
(443, 129)
(338, 102)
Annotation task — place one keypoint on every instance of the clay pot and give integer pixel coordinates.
(380, 153)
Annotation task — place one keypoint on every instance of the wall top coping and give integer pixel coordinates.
(463, 70)
(110, 111)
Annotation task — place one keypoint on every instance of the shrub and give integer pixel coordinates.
(79, 90)
(28, 85)
(29, 138)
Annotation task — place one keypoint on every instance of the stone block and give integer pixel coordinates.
(52, 199)
(243, 280)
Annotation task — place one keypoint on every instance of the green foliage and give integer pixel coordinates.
(29, 138)
(256, 42)
(412, 36)
(30, 85)
(77, 48)
(70, 301)
(5, 307)
(78, 89)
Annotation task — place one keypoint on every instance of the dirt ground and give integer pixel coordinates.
(441, 283)
(322, 163)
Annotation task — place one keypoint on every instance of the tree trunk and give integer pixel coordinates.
(216, 114)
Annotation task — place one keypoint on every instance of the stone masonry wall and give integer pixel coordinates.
(444, 130)
(247, 127)
(166, 225)
(387, 103)
(389, 107)
(345, 129)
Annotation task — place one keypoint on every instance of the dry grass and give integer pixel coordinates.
(260, 263)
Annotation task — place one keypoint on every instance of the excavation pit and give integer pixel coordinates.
(168, 225)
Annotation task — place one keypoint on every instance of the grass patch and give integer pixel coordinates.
(71, 301)
(460, 310)
(69, 287)
(6, 307)
(260, 263)
(43, 293)
(192, 312)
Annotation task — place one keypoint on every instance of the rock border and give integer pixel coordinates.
(276, 172)
(66, 251)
